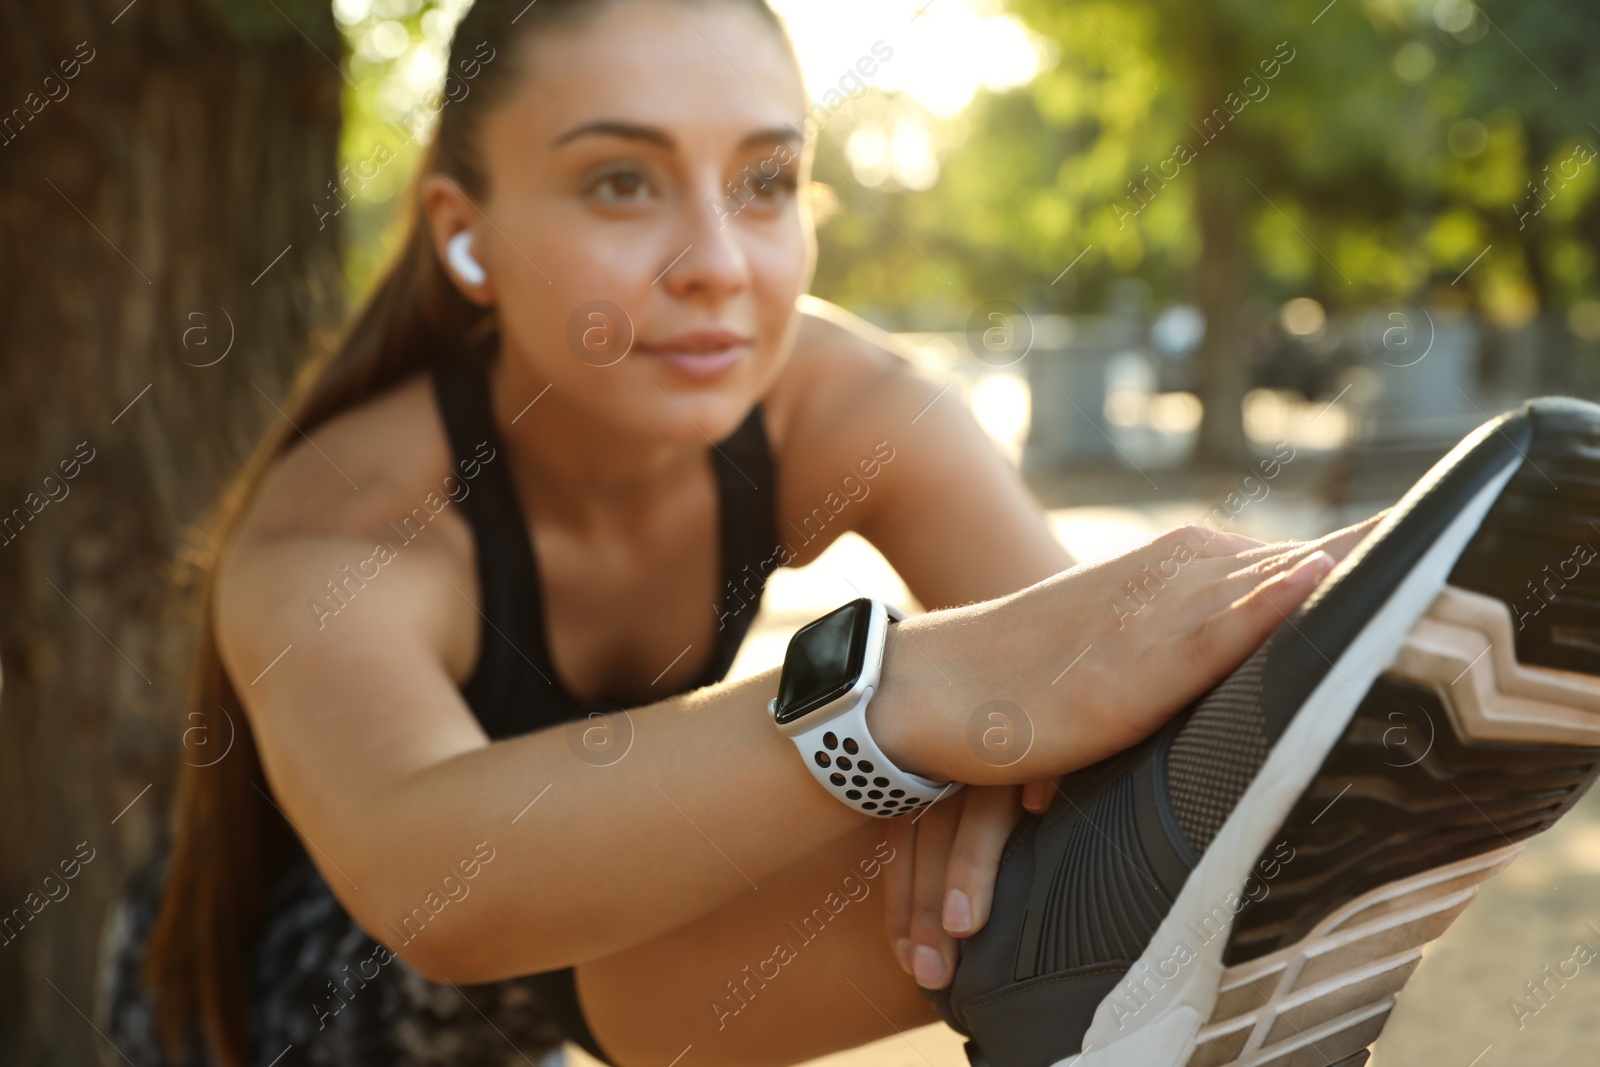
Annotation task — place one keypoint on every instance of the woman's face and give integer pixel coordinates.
(610, 214)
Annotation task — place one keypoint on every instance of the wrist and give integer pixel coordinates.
(903, 713)
(939, 715)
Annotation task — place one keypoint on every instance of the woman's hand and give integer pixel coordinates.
(955, 845)
(1089, 661)
(944, 892)
(947, 888)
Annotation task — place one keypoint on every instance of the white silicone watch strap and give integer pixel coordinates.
(843, 756)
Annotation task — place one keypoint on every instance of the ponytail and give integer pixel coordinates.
(228, 841)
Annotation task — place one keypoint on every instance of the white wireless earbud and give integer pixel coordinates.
(459, 252)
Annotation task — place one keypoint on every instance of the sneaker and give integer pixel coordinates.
(1255, 883)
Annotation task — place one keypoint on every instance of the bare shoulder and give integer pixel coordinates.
(872, 446)
(351, 472)
(837, 410)
(357, 514)
(837, 355)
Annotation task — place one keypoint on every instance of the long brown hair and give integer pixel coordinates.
(228, 842)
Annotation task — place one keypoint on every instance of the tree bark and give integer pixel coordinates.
(158, 162)
(1222, 270)
(1221, 285)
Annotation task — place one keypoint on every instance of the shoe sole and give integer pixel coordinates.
(1308, 972)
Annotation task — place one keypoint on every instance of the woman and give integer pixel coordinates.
(506, 503)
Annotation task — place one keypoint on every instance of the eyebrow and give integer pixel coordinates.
(653, 135)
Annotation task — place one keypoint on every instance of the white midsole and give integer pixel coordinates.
(1174, 1010)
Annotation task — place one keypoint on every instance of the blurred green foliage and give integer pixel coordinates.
(1353, 151)
(1395, 146)
(383, 136)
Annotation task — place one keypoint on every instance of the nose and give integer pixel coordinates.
(711, 264)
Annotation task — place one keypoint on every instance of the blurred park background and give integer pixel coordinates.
(1149, 243)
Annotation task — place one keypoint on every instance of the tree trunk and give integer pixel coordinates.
(1221, 285)
(1222, 270)
(155, 160)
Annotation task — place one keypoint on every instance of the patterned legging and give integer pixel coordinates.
(315, 1000)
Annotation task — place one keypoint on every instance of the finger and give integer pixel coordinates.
(933, 952)
(1175, 596)
(1244, 581)
(901, 836)
(1185, 587)
(1278, 563)
(1237, 587)
(1175, 548)
(989, 816)
(1337, 544)
(1287, 556)
(1036, 796)
(1340, 543)
(1203, 655)
(1268, 550)
(1171, 558)
(1202, 541)
(1221, 542)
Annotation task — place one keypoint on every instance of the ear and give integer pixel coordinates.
(449, 211)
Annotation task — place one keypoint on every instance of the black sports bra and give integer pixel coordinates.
(514, 689)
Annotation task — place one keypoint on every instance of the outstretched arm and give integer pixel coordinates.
(947, 510)
(957, 522)
(478, 860)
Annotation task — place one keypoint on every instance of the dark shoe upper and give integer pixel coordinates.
(1081, 890)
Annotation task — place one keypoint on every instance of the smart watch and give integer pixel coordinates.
(830, 672)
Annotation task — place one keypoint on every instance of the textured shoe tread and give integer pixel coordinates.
(1396, 818)
(1338, 983)
(1537, 550)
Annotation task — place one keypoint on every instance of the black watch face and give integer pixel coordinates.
(824, 660)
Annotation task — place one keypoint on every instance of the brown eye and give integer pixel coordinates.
(621, 187)
(772, 190)
(769, 190)
(625, 184)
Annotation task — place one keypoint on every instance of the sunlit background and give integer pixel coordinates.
(1384, 229)
(1370, 180)
(1148, 242)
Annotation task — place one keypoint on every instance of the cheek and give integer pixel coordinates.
(553, 284)
(781, 263)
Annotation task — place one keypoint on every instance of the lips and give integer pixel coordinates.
(699, 353)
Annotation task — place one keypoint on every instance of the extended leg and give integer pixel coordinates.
(794, 969)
